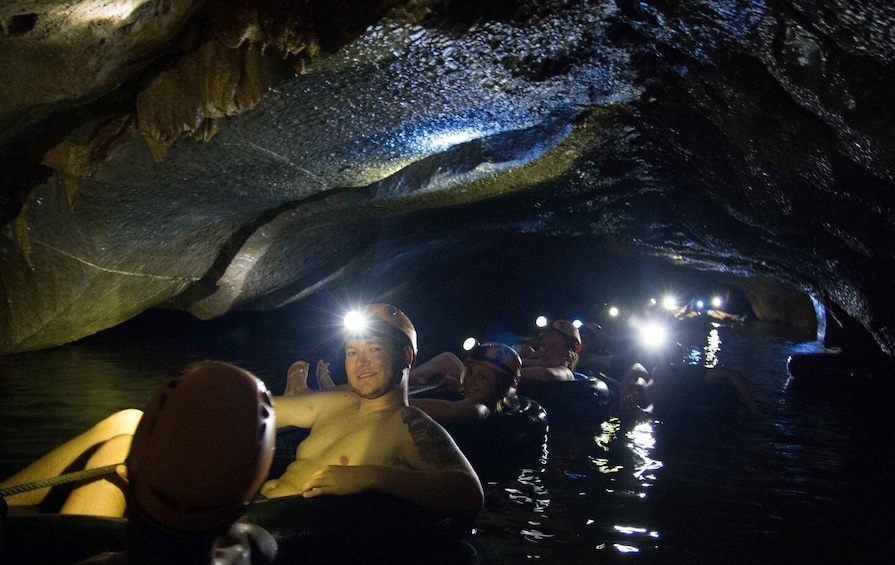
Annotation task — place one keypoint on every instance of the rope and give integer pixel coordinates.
(61, 479)
(419, 390)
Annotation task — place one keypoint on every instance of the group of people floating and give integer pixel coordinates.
(186, 469)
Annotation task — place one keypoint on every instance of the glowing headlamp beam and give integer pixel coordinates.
(355, 321)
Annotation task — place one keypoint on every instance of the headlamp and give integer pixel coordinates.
(355, 322)
(653, 335)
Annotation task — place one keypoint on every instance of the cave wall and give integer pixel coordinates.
(211, 160)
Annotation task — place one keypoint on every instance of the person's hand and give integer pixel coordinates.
(449, 383)
(337, 479)
(121, 471)
(323, 377)
(297, 379)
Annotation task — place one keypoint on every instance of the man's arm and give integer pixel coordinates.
(443, 364)
(451, 412)
(547, 373)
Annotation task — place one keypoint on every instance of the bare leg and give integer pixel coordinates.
(61, 459)
(101, 497)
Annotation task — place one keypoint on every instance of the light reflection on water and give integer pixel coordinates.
(810, 481)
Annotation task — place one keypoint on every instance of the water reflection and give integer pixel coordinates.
(812, 481)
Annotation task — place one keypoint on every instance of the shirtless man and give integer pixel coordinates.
(369, 438)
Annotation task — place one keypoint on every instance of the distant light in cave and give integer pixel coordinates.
(577, 323)
(469, 343)
(541, 321)
(613, 311)
(669, 302)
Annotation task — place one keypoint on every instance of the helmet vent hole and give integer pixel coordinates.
(262, 429)
(166, 500)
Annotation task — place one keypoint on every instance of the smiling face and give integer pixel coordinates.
(553, 349)
(371, 365)
(481, 384)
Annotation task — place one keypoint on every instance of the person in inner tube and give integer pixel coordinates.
(594, 357)
(663, 390)
(368, 438)
(555, 355)
(194, 461)
(487, 383)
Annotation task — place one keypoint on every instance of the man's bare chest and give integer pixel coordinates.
(354, 440)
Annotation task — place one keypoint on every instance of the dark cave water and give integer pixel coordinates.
(810, 482)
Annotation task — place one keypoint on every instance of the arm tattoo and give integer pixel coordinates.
(428, 439)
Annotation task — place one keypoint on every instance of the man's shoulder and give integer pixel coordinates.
(414, 418)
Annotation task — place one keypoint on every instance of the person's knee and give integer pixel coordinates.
(113, 451)
(122, 422)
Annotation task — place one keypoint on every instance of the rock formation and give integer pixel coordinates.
(242, 154)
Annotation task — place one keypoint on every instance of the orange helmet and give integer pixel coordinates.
(385, 319)
(502, 358)
(568, 330)
(202, 449)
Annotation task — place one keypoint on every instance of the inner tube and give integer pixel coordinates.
(504, 442)
(44, 539)
(584, 400)
(362, 528)
(837, 374)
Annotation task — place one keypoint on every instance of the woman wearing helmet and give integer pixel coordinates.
(488, 382)
(555, 356)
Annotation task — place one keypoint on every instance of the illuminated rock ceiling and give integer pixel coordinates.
(241, 154)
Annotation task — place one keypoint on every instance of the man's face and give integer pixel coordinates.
(552, 349)
(370, 365)
(479, 383)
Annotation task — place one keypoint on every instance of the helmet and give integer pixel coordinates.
(502, 358)
(202, 449)
(569, 332)
(597, 335)
(385, 319)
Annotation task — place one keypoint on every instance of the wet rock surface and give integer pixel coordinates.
(245, 157)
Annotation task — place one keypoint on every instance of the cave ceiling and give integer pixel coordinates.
(241, 155)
